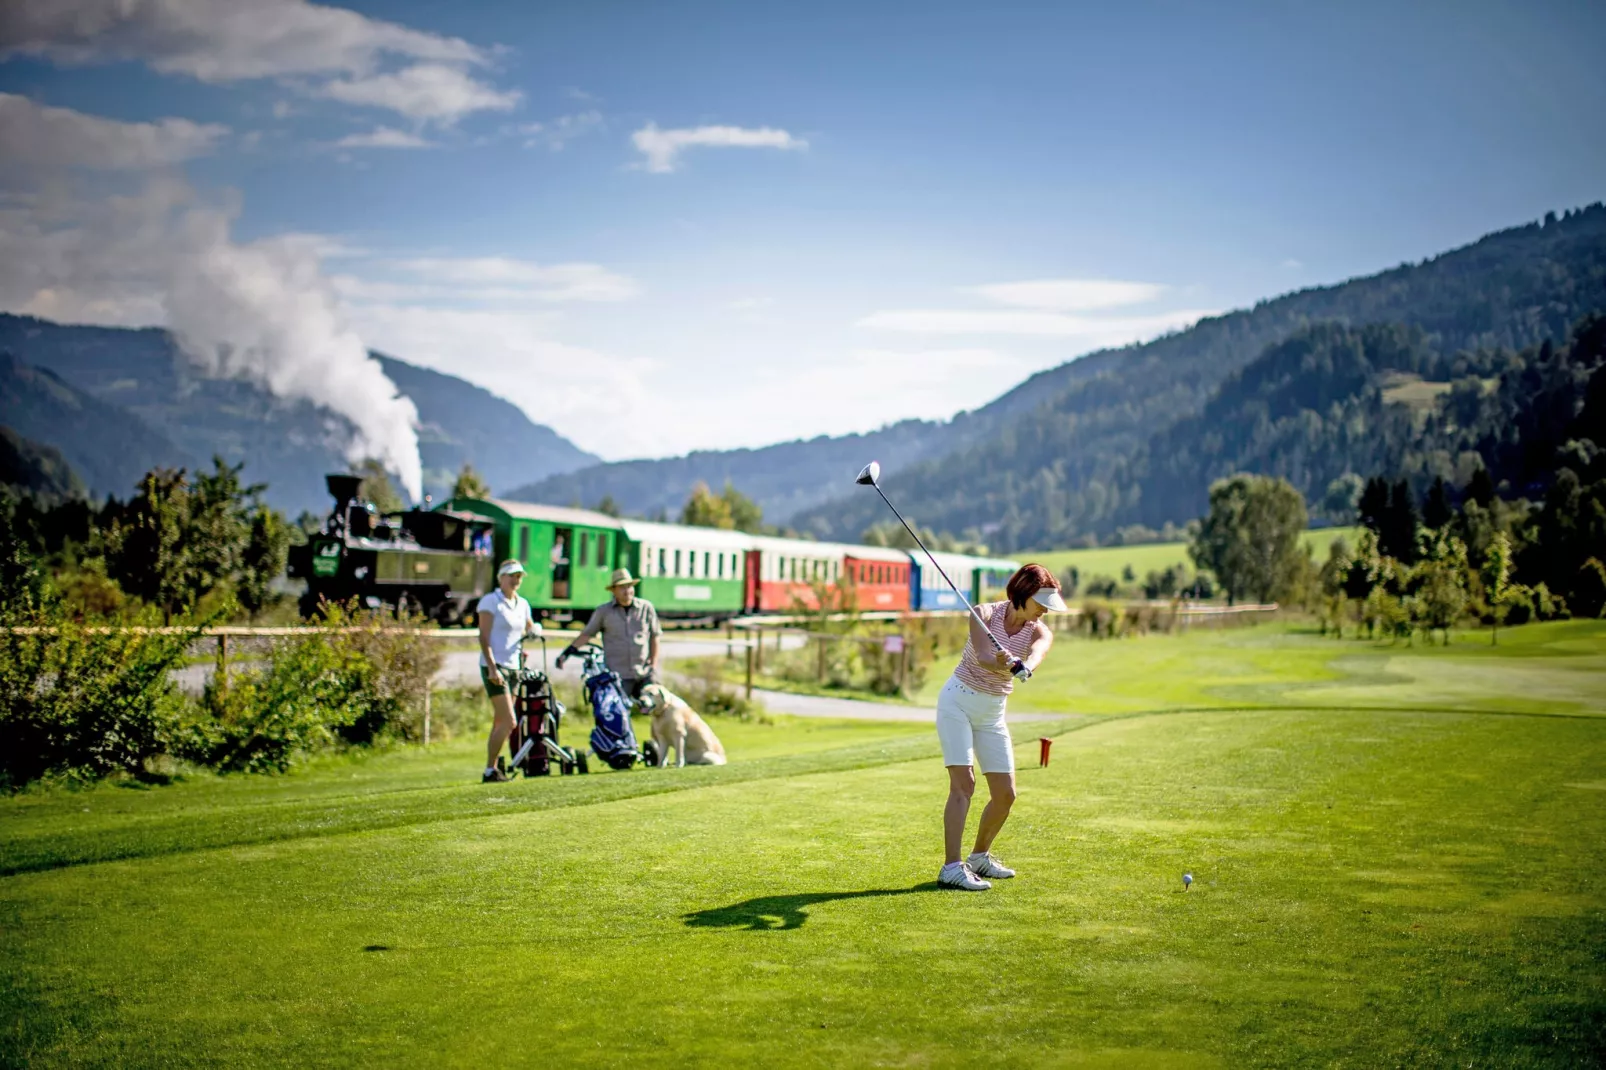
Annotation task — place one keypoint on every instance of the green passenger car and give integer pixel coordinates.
(687, 571)
(568, 554)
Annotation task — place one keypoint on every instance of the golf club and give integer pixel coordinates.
(870, 476)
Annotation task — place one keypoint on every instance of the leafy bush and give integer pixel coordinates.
(81, 702)
(348, 683)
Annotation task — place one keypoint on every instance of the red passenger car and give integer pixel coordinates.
(782, 573)
(880, 576)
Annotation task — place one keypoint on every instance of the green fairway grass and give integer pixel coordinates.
(1396, 851)
(1153, 557)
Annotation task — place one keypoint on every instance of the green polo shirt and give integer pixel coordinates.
(627, 636)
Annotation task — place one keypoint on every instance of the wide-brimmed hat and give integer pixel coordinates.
(510, 568)
(622, 578)
(1050, 599)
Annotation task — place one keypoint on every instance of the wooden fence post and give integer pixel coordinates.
(758, 644)
(730, 651)
(223, 662)
(427, 690)
(750, 671)
(819, 641)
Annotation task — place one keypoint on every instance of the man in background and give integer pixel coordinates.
(630, 634)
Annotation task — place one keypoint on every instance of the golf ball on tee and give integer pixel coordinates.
(1187, 881)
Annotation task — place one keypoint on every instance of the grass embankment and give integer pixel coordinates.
(1110, 561)
(1378, 882)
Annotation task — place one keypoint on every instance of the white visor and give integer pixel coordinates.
(1050, 599)
(510, 569)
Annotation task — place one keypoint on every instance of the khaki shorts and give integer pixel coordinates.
(492, 688)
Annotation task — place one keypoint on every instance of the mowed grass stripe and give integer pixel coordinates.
(52, 841)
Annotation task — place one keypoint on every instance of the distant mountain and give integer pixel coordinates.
(782, 479)
(26, 465)
(108, 446)
(287, 444)
(1074, 448)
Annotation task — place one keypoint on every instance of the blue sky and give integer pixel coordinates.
(862, 256)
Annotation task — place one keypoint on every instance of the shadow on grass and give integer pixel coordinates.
(784, 911)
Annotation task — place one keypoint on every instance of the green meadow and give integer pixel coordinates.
(1397, 856)
(1110, 561)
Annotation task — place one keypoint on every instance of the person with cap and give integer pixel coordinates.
(970, 720)
(630, 634)
(505, 620)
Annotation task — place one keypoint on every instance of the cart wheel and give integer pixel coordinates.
(567, 767)
(583, 765)
(649, 753)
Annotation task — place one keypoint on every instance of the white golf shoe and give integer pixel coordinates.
(985, 865)
(958, 875)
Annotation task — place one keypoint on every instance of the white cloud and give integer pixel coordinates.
(138, 246)
(496, 277)
(426, 91)
(556, 133)
(38, 138)
(663, 147)
(1292, 265)
(384, 137)
(1070, 295)
(598, 400)
(1108, 330)
(290, 40)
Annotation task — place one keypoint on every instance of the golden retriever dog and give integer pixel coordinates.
(677, 725)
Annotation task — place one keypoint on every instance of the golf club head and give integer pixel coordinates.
(869, 475)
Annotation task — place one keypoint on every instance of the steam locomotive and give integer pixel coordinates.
(437, 562)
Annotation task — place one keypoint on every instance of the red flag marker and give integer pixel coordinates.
(1043, 743)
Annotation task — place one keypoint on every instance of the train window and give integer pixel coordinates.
(602, 550)
(707, 570)
(585, 545)
(662, 554)
(677, 563)
(524, 543)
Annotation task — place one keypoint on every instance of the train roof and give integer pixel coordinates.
(684, 535)
(877, 553)
(556, 514)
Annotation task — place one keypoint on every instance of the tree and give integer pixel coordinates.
(1330, 581)
(1342, 497)
(1497, 588)
(745, 513)
(705, 509)
(1480, 488)
(148, 548)
(1441, 586)
(261, 560)
(470, 484)
(1397, 539)
(376, 487)
(1250, 538)
(608, 507)
(1363, 575)
(1371, 511)
(1437, 510)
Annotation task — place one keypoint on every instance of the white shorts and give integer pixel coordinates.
(969, 720)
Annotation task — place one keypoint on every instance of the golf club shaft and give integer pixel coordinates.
(916, 536)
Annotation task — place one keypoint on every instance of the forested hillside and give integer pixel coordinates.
(32, 468)
(781, 479)
(1079, 461)
(141, 375)
(108, 446)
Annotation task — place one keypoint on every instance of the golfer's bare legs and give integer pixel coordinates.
(501, 727)
(1001, 786)
(961, 786)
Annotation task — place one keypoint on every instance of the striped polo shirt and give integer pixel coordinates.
(981, 672)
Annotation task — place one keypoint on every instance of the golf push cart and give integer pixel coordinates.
(612, 738)
(536, 716)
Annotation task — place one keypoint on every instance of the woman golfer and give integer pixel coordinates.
(970, 720)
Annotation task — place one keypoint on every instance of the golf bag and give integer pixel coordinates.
(612, 738)
(534, 742)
